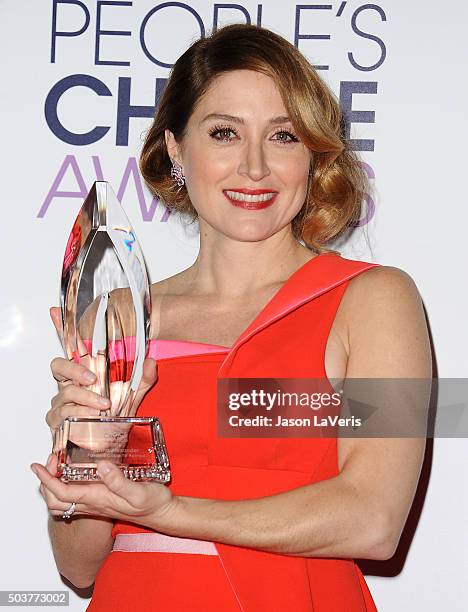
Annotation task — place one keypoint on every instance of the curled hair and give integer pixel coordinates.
(336, 184)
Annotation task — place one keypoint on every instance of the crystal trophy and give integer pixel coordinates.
(105, 303)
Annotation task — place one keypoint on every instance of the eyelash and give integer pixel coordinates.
(220, 128)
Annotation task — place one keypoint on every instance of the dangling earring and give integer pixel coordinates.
(177, 174)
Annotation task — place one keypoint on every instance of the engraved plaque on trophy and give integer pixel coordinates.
(105, 301)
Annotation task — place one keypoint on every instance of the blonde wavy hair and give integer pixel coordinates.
(337, 182)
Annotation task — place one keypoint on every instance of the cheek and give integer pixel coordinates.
(294, 177)
(292, 166)
(205, 173)
(206, 164)
(297, 168)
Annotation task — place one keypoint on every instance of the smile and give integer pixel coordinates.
(251, 199)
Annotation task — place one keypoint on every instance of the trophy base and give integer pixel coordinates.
(142, 473)
(133, 444)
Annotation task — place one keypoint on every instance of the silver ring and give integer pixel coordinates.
(67, 514)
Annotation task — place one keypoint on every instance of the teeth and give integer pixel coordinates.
(244, 197)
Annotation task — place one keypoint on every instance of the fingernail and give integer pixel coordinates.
(89, 377)
(34, 469)
(103, 401)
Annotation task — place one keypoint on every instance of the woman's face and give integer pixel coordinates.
(240, 138)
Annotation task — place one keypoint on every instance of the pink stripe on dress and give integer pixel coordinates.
(159, 542)
(163, 349)
(158, 349)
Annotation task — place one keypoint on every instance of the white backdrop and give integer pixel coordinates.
(405, 61)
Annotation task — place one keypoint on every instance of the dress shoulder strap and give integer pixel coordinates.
(318, 275)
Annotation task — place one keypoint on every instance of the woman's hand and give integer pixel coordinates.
(75, 381)
(116, 497)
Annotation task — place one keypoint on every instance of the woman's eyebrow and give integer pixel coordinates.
(234, 119)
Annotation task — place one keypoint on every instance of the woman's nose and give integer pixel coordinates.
(253, 162)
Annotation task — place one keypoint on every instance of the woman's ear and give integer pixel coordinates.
(173, 148)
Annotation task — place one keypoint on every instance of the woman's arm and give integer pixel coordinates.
(80, 547)
(362, 511)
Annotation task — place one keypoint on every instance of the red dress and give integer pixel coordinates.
(286, 340)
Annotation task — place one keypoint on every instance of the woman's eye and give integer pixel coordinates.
(287, 137)
(222, 133)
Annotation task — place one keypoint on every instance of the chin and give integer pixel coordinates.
(245, 230)
(249, 234)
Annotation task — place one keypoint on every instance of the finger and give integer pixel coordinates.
(55, 506)
(79, 395)
(116, 482)
(52, 502)
(83, 345)
(149, 378)
(55, 417)
(63, 369)
(150, 372)
(51, 464)
(63, 492)
(117, 390)
(100, 368)
(93, 499)
(63, 384)
(56, 316)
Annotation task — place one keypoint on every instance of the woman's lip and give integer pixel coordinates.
(252, 191)
(252, 205)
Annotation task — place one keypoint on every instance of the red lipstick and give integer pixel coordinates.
(251, 205)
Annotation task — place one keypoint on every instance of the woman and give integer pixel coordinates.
(248, 140)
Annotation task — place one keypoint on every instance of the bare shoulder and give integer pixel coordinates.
(382, 292)
(382, 284)
(384, 324)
